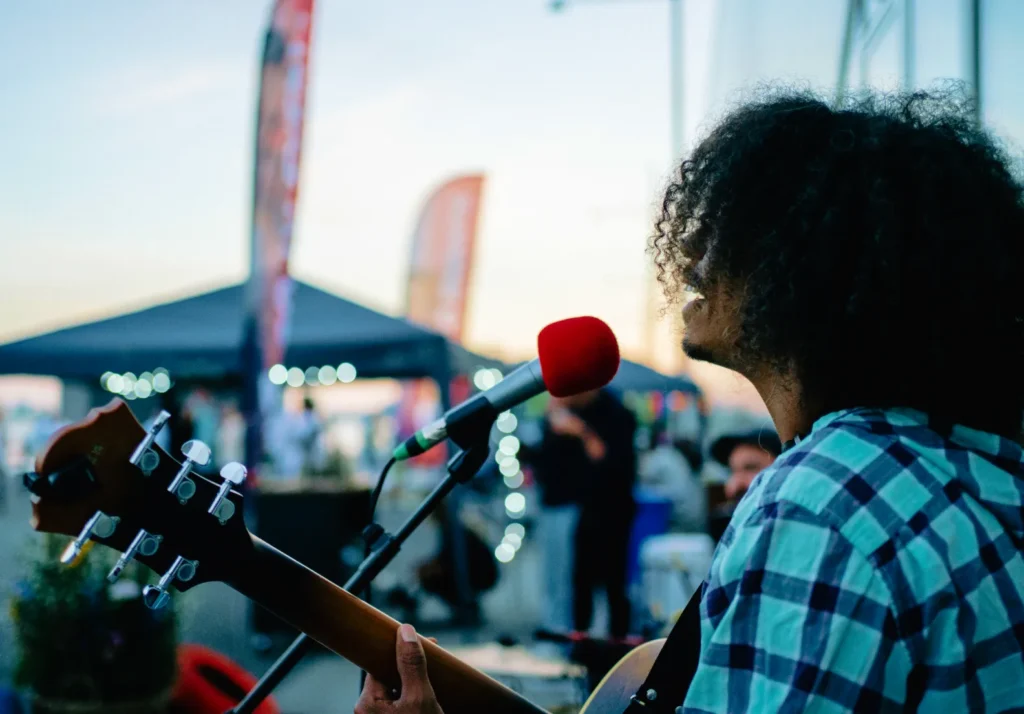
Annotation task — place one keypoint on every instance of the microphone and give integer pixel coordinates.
(574, 355)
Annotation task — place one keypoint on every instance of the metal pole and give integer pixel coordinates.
(852, 18)
(909, 45)
(676, 75)
(975, 57)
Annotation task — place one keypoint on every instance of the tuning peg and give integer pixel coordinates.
(100, 525)
(233, 475)
(144, 456)
(156, 596)
(196, 452)
(144, 543)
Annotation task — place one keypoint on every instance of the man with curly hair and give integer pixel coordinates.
(859, 264)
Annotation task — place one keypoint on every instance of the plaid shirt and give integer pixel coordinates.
(876, 566)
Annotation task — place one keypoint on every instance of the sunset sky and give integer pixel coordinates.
(127, 137)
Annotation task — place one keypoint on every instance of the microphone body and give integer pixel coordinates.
(575, 355)
(471, 421)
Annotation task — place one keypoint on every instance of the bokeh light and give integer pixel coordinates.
(312, 376)
(516, 529)
(346, 373)
(504, 553)
(509, 444)
(296, 378)
(515, 502)
(162, 382)
(507, 422)
(278, 374)
(515, 480)
(509, 466)
(328, 375)
(143, 389)
(484, 379)
(513, 540)
(128, 384)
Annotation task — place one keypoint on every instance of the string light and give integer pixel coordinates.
(507, 422)
(346, 373)
(504, 553)
(515, 503)
(513, 540)
(328, 375)
(509, 445)
(278, 374)
(296, 377)
(515, 480)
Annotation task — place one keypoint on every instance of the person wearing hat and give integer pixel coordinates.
(745, 454)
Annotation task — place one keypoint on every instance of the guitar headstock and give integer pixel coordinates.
(105, 479)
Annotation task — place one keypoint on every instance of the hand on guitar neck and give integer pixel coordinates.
(416, 695)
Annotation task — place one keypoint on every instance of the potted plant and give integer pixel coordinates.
(86, 645)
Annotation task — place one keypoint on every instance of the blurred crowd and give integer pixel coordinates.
(600, 473)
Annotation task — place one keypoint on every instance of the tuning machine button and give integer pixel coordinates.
(156, 596)
(100, 526)
(144, 456)
(144, 543)
(196, 453)
(234, 475)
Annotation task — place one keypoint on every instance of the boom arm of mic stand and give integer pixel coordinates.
(461, 468)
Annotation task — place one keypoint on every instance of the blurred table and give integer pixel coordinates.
(550, 682)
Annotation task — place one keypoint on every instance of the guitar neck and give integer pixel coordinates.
(362, 634)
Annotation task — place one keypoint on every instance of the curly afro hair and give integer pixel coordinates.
(878, 246)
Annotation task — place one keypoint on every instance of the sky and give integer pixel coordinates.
(126, 147)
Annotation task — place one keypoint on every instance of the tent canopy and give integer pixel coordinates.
(635, 377)
(201, 337)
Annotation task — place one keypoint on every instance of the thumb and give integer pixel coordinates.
(412, 665)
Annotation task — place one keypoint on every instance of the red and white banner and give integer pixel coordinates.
(278, 152)
(438, 284)
(280, 118)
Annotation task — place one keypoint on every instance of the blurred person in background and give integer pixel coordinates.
(230, 435)
(666, 470)
(205, 417)
(584, 462)
(559, 472)
(296, 442)
(595, 435)
(745, 454)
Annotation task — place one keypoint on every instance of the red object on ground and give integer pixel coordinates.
(210, 683)
(577, 355)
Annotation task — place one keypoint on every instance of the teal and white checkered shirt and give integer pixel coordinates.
(876, 566)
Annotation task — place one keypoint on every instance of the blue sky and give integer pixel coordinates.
(126, 145)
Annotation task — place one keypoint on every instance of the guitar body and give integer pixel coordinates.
(613, 693)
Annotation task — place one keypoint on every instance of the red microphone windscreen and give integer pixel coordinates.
(577, 355)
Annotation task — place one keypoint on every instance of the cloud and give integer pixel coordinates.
(136, 90)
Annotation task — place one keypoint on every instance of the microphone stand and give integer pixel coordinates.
(461, 468)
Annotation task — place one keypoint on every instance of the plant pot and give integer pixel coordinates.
(155, 705)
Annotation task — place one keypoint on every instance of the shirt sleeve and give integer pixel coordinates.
(795, 619)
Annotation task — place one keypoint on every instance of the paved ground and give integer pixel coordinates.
(216, 616)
